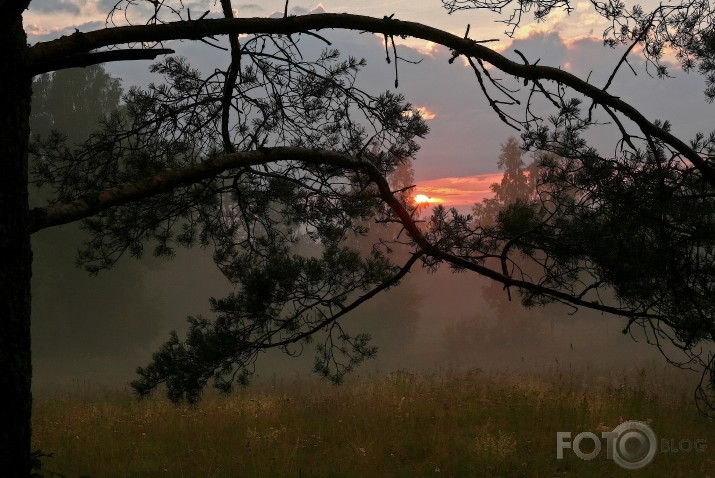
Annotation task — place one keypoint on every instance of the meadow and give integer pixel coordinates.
(461, 424)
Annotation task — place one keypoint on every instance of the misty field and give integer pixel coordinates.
(446, 424)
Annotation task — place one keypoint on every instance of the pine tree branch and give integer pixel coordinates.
(81, 60)
(394, 280)
(168, 180)
(42, 54)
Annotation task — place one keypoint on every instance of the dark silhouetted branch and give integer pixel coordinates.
(81, 60)
(43, 53)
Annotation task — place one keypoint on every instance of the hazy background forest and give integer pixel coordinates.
(98, 331)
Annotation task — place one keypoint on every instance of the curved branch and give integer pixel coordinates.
(86, 59)
(349, 308)
(431, 250)
(168, 180)
(41, 54)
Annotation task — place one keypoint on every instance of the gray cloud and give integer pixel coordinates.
(679, 100)
(54, 6)
(107, 5)
(299, 11)
(251, 7)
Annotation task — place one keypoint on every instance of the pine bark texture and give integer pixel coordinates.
(15, 256)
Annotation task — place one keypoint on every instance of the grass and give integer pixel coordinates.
(402, 425)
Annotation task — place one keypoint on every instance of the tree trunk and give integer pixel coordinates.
(15, 257)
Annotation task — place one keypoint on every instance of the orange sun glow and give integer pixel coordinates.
(422, 199)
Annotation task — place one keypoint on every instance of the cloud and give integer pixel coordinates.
(582, 22)
(105, 6)
(423, 47)
(319, 8)
(55, 6)
(425, 112)
(39, 32)
(250, 7)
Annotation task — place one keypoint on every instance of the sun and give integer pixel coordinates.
(422, 199)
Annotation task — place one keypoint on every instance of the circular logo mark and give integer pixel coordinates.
(634, 445)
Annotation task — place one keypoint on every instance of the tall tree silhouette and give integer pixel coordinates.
(72, 315)
(507, 328)
(517, 184)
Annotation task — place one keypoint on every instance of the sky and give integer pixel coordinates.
(457, 162)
